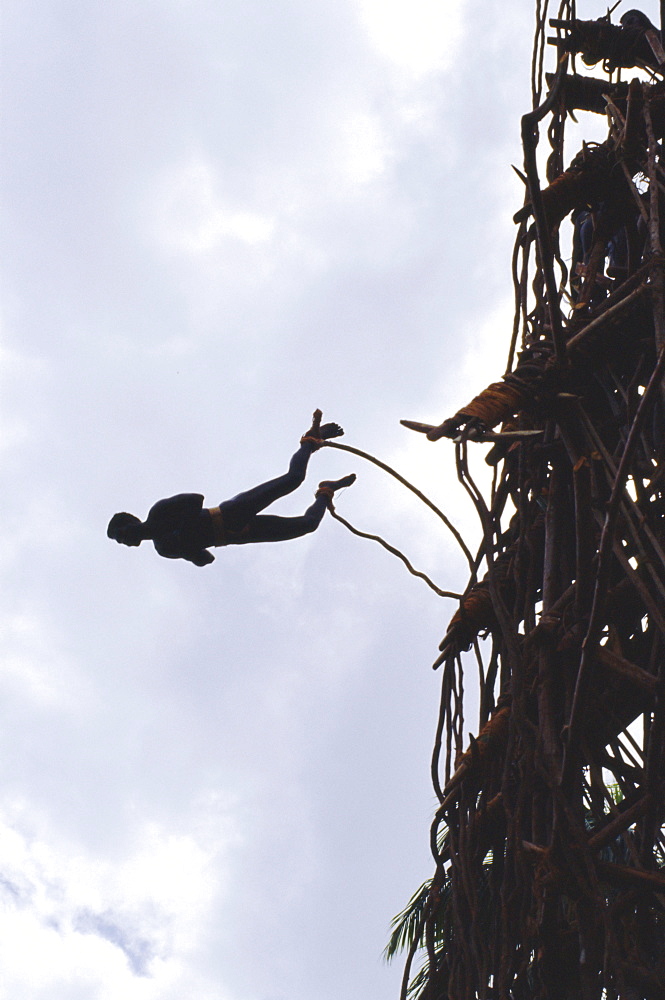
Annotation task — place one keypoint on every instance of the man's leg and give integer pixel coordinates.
(270, 528)
(241, 508)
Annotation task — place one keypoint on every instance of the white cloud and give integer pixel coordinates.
(419, 36)
(264, 216)
(17, 368)
(365, 150)
(128, 927)
(31, 662)
(191, 217)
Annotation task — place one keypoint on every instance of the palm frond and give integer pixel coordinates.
(405, 924)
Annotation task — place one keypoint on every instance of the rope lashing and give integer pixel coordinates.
(494, 405)
(475, 615)
(491, 740)
(591, 178)
(534, 380)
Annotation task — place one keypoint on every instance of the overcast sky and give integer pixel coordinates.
(214, 782)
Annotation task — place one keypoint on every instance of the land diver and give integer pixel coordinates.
(180, 527)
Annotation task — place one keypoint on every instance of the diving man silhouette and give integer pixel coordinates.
(180, 527)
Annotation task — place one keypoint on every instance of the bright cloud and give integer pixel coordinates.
(191, 216)
(364, 148)
(30, 661)
(108, 929)
(420, 36)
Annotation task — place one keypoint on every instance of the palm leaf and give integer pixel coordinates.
(405, 924)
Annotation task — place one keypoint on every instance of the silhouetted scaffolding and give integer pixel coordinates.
(548, 839)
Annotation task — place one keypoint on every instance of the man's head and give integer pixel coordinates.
(636, 19)
(125, 528)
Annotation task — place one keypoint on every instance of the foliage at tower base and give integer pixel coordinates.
(548, 841)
